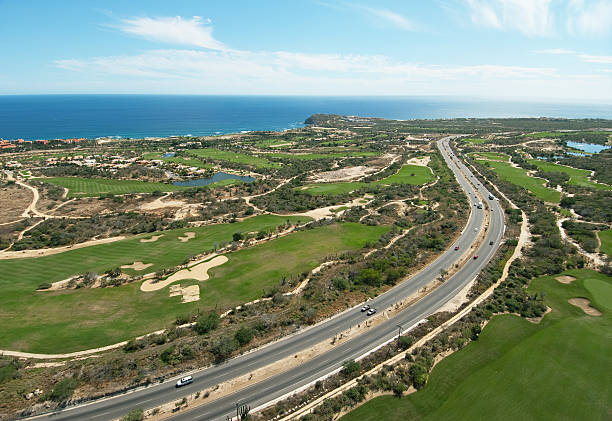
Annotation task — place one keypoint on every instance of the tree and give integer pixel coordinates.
(238, 236)
(223, 348)
(351, 368)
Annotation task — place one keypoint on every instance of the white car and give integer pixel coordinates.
(184, 381)
(365, 308)
(371, 311)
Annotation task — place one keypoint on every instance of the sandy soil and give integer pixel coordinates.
(161, 203)
(565, 279)
(188, 236)
(584, 305)
(326, 212)
(47, 252)
(13, 200)
(423, 162)
(152, 239)
(137, 266)
(343, 174)
(198, 272)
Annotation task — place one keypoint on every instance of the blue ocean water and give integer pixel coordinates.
(64, 116)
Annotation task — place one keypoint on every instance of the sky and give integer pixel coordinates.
(514, 49)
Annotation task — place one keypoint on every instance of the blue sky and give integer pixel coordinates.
(524, 49)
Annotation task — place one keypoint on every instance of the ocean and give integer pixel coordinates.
(136, 116)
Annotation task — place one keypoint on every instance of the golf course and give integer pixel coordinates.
(517, 369)
(75, 319)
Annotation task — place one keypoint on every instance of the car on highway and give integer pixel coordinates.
(456, 248)
(491, 242)
(371, 311)
(184, 381)
(475, 256)
(365, 308)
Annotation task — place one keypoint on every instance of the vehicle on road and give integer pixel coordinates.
(456, 248)
(371, 311)
(491, 197)
(365, 308)
(475, 256)
(184, 381)
(491, 242)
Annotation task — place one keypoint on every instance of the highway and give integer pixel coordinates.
(269, 389)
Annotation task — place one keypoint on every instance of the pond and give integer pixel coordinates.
(168, 155)
(587, 147)
(217, 177)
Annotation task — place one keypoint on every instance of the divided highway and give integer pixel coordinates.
(269, 389)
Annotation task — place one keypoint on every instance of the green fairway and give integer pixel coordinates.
(490, 155)
(71, 320)
(87, 187)
(239, 158)
(311, 156)
(519, 177)
(518, 370)
(274, 143)
(474, 140)
(408, 174)
(578, 177)
(606, 242)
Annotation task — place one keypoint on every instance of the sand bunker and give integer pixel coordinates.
(190, 293)
(565, 279)
(188, 236)
(198, 272)
(152, 239)
(584, 305)
(137, 266)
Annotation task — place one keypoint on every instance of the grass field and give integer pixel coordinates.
(578, 176)
(311, 156)
(239, 158)
(490, 155)
(518, 370)
(474, 140)
(405, 175)
(71, 320)
(87, 187)
(274, 143)
(519, 177)
(606, 241)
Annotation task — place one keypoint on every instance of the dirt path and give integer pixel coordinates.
(47, 252)
(593, 257)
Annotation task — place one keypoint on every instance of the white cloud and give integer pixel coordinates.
(589, 18)
(531, 17)
(556, 51)
(386, 16)
(173, 30)
(390, 17)
(596, 59)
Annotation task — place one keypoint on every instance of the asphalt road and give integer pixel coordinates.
(267, 390)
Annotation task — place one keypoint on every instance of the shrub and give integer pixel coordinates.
(223, 348)
(64, 390)
(207, 323)
(244, 335)
(134, 415)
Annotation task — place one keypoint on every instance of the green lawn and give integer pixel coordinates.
(578, 176)
(239, 158)
(63, 321)
(473, 140)
(408, 174)
(86, 187)
(490, 155)
(274, 143)
(606, 242)
(311, 156)
(522, 371)
(519, 177)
